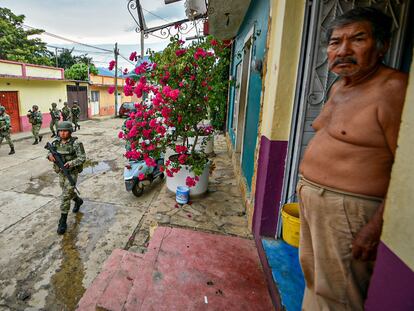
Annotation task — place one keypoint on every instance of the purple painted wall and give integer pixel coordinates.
(269, 183)
(392, 284)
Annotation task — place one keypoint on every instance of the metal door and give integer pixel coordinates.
(79, 93)
(9, 100)
(316, 80)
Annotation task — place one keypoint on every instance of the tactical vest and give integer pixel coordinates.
(55, 114)
(4, 120)
(67, 151)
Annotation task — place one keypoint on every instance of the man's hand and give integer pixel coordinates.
(51, 158)
(365, 243)
(67, 165)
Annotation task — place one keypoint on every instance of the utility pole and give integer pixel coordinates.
(143, 26)
(56, 56)
(116, 52)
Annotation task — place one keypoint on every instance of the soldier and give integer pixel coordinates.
(5, 128)
(73, 154)
(36, 119)
(75, 115)
(54, 119)
(66, 113)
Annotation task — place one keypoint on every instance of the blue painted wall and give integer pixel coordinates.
(257, 17)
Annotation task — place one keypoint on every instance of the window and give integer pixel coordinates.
(95, 96)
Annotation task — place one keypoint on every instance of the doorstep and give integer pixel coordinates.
(283, 260)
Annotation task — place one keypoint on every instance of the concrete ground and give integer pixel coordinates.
(40, 270)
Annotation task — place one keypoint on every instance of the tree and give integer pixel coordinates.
(16, 44)
(79, 72)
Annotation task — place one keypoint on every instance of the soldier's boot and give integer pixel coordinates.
(35, 142)
(62, 226)
(78, 203)
(53, 134)
(78, 127)
(40, 138)
(12, 150)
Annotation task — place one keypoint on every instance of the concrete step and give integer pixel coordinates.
(190, 270)
(110, 288)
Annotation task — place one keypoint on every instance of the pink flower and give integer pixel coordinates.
(213, 42)
(181, 42)
(174, 94)
(128, 90)
(180, 52)
(121, 135)
(125, 71)
(133, 56)
(190, 182)
(169, 173)
(141, 176)
(204, 83)
(147, 133)
(192, 78)
(150, 162)
(111, 89)
(129, 124)
(153, 123)
(181, 84)
(166, 90)
(180, 149)
(111, 65)
(182, 158)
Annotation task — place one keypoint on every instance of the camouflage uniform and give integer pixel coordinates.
(5, 129)
(66, 113)
(74, 154)
(54, 119)
(36, 119)
(75, 115)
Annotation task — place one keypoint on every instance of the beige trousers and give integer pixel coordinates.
(330, 218)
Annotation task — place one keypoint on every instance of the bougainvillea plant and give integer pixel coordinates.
(176, 88)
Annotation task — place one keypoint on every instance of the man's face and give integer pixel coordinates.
(352, 50)
(34, 108)
(65, 135)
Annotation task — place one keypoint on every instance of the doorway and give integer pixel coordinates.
(9, 99)
(80, 94)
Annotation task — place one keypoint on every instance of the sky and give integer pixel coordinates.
(97, 22)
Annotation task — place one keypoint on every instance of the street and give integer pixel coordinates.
(40, 270)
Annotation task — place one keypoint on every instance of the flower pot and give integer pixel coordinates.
(179, 179)
(204, 143)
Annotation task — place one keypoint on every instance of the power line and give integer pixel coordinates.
(69, 40)
(77, 42)
(76, 50)
(149, 12)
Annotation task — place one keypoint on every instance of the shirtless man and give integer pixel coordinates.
(346, 168)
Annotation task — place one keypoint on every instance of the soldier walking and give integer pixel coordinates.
(54, 119)
(75, 115)
(5, 128)
(73, 155)
(36, 119)
(66, 113)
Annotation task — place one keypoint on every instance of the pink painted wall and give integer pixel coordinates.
(26, 126)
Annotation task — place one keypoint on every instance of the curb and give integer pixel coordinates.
(28, 136)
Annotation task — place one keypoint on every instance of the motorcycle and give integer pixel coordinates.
(132, 171)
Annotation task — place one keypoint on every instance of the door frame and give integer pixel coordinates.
(242, 113)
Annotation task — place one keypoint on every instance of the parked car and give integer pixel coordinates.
(126, 109)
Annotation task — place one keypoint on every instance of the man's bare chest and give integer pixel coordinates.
(354, 119)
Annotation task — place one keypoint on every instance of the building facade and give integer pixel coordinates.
(24, 85)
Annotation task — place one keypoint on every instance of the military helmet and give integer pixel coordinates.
(2, 109)
(65, 126)
(35, 107)
(54, 104)
(65, 103)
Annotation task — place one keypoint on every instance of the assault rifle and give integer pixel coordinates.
(59, 162)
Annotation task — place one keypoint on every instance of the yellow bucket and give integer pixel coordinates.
(291, 223)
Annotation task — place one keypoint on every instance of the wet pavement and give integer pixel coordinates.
(40, 270)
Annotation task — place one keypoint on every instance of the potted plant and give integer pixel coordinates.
(177, 84)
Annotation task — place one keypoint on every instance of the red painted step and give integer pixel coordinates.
(110, 288)
(190, 270)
